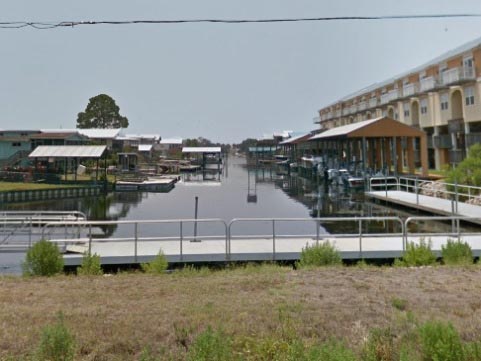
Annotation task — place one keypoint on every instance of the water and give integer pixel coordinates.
(239, 192)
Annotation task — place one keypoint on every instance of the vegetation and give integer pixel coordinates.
(157, 266)
(90, 265)
(21, 186)
(43, 259)
(417, 255)
(253, 312)
(56, 343)
(467, 172)
(101, 112)
(456, 253)
(322, 254)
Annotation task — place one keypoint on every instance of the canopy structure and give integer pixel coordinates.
(206, 150)
(70, 154)
(380, 144)
(205, 155)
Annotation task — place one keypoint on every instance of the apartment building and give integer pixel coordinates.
(441, 97)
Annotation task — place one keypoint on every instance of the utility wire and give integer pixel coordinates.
(52, 25)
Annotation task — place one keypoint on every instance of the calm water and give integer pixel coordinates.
(239, 192)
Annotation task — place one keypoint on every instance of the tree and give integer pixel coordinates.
(101, 112)
(468, 172)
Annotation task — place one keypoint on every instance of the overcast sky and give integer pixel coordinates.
(220, 81)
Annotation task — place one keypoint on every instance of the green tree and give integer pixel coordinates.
(101, 112)
(469, 170)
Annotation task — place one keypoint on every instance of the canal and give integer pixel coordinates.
(239, 192)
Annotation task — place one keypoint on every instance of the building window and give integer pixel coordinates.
(424, 106)
(16, 144)
(406, 109)
(444, 102)
(469, 95)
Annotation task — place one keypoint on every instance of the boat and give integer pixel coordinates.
(151, 184)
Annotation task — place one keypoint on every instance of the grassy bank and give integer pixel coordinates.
(19, 186)
(261, 312)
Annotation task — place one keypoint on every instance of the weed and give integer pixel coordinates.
(56, 343)
(43, 259)
(157, 266)
(322, 254)
(90, 265)
(417, 255)
(379, 346)
(456, 253)
(399, 303)
(440, 341)
(211, 345)
(330, 351)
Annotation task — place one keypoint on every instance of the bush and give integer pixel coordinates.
(440, 341)
(56, 343)
(211, 346)
(90, 266)
(417, 255)
(322, 254)
(456, 253)
(331, 351)
(157, 266)
(43, 259)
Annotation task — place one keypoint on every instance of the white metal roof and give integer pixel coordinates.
(145, 147)
(201, 150)
(68, 151)
(293, 139)
(343, 130)
(171, 141)
(101, 133)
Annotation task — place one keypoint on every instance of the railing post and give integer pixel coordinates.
(181, 239)
(135, 241)
(398, 183)
(273, 239)
(90, 239)
(385, 185)
(416, 190)
(318, 225)
(360, 238)
(456, 194)
(30, 234)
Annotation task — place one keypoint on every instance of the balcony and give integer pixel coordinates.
(385, 98)
(317, 120)
(443, 141)
(428, 83)
(472, 138)
(430, 142)
(410, 89)
(330, 115)
(345, 111)
(353, 108)
(362, 106)
(394, 94)
(372, 102)
(456, 156)
(337, 114)
(457, 75)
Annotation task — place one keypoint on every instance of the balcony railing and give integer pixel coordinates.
(394, 94)
(430, 142)
(458, 74)
(385, 98)
(428, 83)
(337, 113)
(345, 111)
(372, 102)
(410, 89)
(457, 156)
(330, 115)
(317, 120)
(473, 138)
(362, 106)
(353, 108)
(443, 141)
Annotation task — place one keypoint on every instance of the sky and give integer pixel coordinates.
(224, 82)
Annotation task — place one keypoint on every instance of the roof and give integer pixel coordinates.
(101, 133)
(171, 141)
(437, 60)
(144, 136)
(293, 140)
(56, 135)
(145, 147)
(378, 127)
(201, 150)
(68, 151)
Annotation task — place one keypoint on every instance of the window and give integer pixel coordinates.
(16, 144)
(469, 95)
(444, 102)
(424, 106)
(396, 116)
(406, 107)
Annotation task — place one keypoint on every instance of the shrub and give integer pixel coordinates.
(43, 259)
(322, 254)
(379, 346)
(56, 343)
(440, 341)
(90, 265)
(399, 303)
(456, 253)
(211, 346)
(331, 351)
(417, 255)
(157, 266)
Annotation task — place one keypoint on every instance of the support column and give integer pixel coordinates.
(437, 151)
(399, 156)
(424, 154)
(467, 130)
(387, 153)
(363, 152)
(378, 152)
(410, 154)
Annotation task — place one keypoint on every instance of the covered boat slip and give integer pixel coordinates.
(371, 146)
(69, 155)
(204, 155)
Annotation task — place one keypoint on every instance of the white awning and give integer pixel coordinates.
(68, 151)
(201, 150)
(145, 147)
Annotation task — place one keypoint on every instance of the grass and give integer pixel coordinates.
(19, 186)
(268, 309)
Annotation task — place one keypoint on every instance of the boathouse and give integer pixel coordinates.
(381, 144)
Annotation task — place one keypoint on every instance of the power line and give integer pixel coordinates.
(62, 24)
